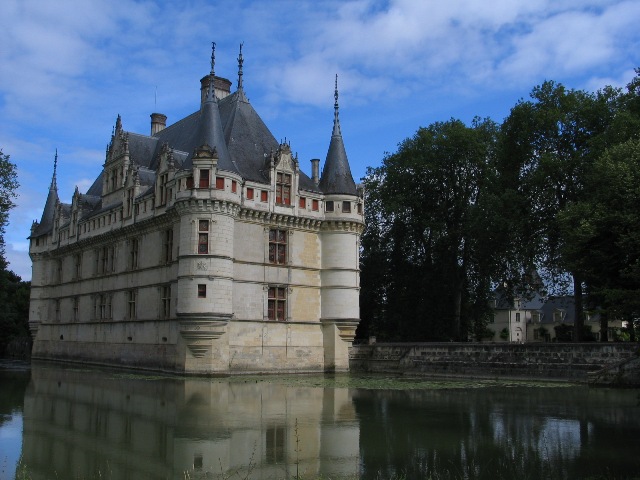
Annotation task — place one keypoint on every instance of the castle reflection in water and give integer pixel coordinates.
(86, 424)
(81, 424)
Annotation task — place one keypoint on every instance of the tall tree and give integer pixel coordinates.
(8, 188)
(429, 249)
(549, 144)
(14, 293)
(603, 233)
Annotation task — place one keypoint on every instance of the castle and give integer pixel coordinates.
(202, 248)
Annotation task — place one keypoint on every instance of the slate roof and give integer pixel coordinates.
(241, 139)
(533, 301)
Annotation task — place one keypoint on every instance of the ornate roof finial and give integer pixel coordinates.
(213, 58)
(336, 120)
(240, 62)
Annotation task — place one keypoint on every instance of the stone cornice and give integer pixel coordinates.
(279, 219)
(137, 228)
(349, 226)
(186, 206)
(305, 223)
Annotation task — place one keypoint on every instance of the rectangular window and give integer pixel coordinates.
(518, 317)
(163, 191)
(77, 266)
(220, 183)
(275, 446)
(278, 246)
(203, 236)
(328, 206)
(110, 264)
(315, 205)
(165, 307)
(204, 178)
(96, 262)
(202, 290)
(189, 183)
(108, 309)
(264, 196)
(302, 202)
(360, 209)
(103, 307)
(59, 271)
(167, 245)
(346, 207)
(131, 304)
(283, 188)
(104, 257)
(133, 253)
(76, 308)
(57, 310)
(277, 304)
(129, 202)
(249, 193)
(234, 186)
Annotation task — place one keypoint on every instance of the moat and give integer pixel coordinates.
(74, 422)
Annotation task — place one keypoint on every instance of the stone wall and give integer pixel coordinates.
(548, 360)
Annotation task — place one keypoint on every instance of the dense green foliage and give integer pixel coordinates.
(8, 187)
(14, 293)
(459, 210)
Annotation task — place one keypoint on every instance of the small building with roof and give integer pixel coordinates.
(536, 318)
(203, 248)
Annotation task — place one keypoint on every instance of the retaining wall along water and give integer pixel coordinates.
(541, 360)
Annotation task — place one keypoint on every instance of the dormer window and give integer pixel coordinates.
(204, 178)
(283, 188)
(163, 190)
(129, 202)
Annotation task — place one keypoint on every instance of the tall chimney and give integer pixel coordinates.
(221, 87)
(158, 122)
(315, 170)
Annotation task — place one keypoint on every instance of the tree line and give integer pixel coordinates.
(14, 293)
(547, 201)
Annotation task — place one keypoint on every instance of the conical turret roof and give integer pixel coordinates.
(336, 175)
(48, 214)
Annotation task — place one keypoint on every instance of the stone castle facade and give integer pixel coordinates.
(202, 248)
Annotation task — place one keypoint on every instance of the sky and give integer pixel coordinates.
(69, 67)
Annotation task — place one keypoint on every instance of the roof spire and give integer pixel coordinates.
(55, 167)
(336, 174)
(336, 120)
(240, 62)
(213, 59)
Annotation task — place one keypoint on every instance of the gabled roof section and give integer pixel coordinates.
(142, 149)
(336, 175)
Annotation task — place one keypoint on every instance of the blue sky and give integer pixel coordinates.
(70, 67)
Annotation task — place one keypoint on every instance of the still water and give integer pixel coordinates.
(78, 423)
